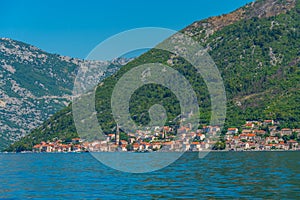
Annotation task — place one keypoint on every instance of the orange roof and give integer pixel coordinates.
(156, 142)
(195, 143)
(272, 137)
(166, 128)
(271, 145)
(232, 129)
(168, 143)
(135, 145)
(286, 129)
(37, 146)
(260, 131)
(251, 135)
(268, 120)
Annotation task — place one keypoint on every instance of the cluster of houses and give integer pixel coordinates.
(266, 135)
(58, 146)
(254, 135)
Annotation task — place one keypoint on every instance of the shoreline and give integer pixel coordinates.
(205, 151)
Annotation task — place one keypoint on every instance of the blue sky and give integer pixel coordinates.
(74, 28)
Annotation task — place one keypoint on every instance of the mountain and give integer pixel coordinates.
(34, 85)
(257, 50)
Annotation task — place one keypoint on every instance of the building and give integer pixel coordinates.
(249, 125)
(293, 145)
(268, 122)
(117, 136)
(286, 131)
(232, 130)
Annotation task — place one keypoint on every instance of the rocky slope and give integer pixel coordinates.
(258, 9)
(34, 85)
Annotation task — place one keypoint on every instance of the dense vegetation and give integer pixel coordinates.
(259, 60)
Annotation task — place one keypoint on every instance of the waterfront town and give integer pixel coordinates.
(252, 136)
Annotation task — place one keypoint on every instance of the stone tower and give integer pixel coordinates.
(117, 136)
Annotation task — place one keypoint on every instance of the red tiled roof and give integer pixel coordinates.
(154, 143)
(166, 128)
(268, 120)
(135, 145)
(260, 131)
(168, 143)
(274, 138)
(271, 145)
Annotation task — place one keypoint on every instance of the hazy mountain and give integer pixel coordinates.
(35, 84)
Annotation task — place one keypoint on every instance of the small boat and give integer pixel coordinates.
(142, 151)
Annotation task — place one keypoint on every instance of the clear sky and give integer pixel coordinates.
(74, 28)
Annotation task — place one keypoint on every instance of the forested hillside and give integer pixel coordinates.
(257, 50)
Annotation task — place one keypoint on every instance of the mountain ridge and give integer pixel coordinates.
(34, 85)
(254, 9)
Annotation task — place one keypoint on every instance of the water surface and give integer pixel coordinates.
(271, 175)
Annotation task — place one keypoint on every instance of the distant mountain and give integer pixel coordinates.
(257, 50)
(34, 85)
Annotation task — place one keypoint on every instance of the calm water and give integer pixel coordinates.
(271, 175)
